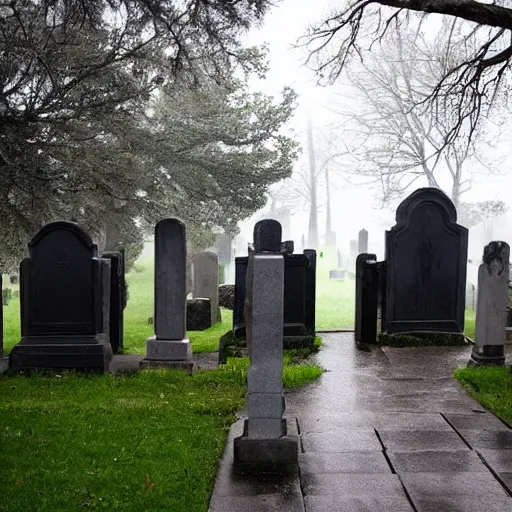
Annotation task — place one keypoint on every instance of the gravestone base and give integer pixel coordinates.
(266, 454)
(88, 354)
(168, 350)
(487, 355)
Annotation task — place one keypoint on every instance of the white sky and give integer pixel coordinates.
(353, 207)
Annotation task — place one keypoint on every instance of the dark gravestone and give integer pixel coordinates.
(381, 295)
(1, 323)
(362, 242)
(267, 236)
(310, 319)
(199, 314)
(367, 289)
(426, 254)
(61, 301)
(238, 310)
(287, 247)
(295, 295)
(116, 300)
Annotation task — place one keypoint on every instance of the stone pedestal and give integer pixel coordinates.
(265, 441)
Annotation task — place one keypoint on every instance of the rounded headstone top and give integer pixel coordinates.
(426, 195)
(63, 225)
(173, 221)
(267, 236)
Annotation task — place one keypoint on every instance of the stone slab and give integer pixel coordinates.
(344, 462)
(410, 421)
(360, 504)
(488, 439)
(463, 504)
(280, 452)
(412, 440)
(436, 461)
(352, 485)
(475, 421)
(499, 460)
(277, 502)
(343, 441)
(168, 350)
(480, 485)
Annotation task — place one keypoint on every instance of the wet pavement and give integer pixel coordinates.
(382, 430)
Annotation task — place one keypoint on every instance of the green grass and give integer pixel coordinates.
(491, 386)
(147, 442)
(421, 340)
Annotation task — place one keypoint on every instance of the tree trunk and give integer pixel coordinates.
(313, 208)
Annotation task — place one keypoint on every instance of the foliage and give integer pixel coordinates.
(471, 214)
(467, 88)
(395, 140)
(118, 113)
(491, 386)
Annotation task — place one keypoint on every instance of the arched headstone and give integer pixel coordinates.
(426, 256)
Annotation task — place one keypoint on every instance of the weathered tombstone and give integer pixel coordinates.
(264, 442)
(337, 274)
(205, 272)
(62, 303)
(491, 314)
(470, 296)
(267, 236)
(169, 347)
(116, 300)
(223, 245)
(367, 289)
(426, 256)
(240, 281)
(362, 242)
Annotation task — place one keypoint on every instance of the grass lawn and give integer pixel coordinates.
(491, 386)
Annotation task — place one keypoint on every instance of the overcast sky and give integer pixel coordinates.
(353, 207)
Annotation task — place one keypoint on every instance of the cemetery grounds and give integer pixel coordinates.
(149, 441)
(152, 441)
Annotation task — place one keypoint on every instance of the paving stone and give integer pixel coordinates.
(344, 462)
(436, 461)
(506, 478)
(428, 440)
(475, 421)
(489, 439)
(408, 420)
(362, 504)
(352, 485)
(342, 441)
(499, 460)
(278, 502)
(463, 504)
(481, 485)
(334, 423)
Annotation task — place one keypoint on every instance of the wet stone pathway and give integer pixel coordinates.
(384, 430)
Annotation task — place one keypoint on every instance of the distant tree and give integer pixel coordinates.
(395, 139)
(471, 214)
(468, 87)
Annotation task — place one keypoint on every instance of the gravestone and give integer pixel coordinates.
(223, 244)
(426, 256)
(367, 289)
(353, 249)
(470, 296)
(267, 236)
(63, 285)
(264, 442)
(491, 314)
(117, 300)
(169, 347)
(362, 242)
(310, 316)
(205, 275)
(1, 323)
